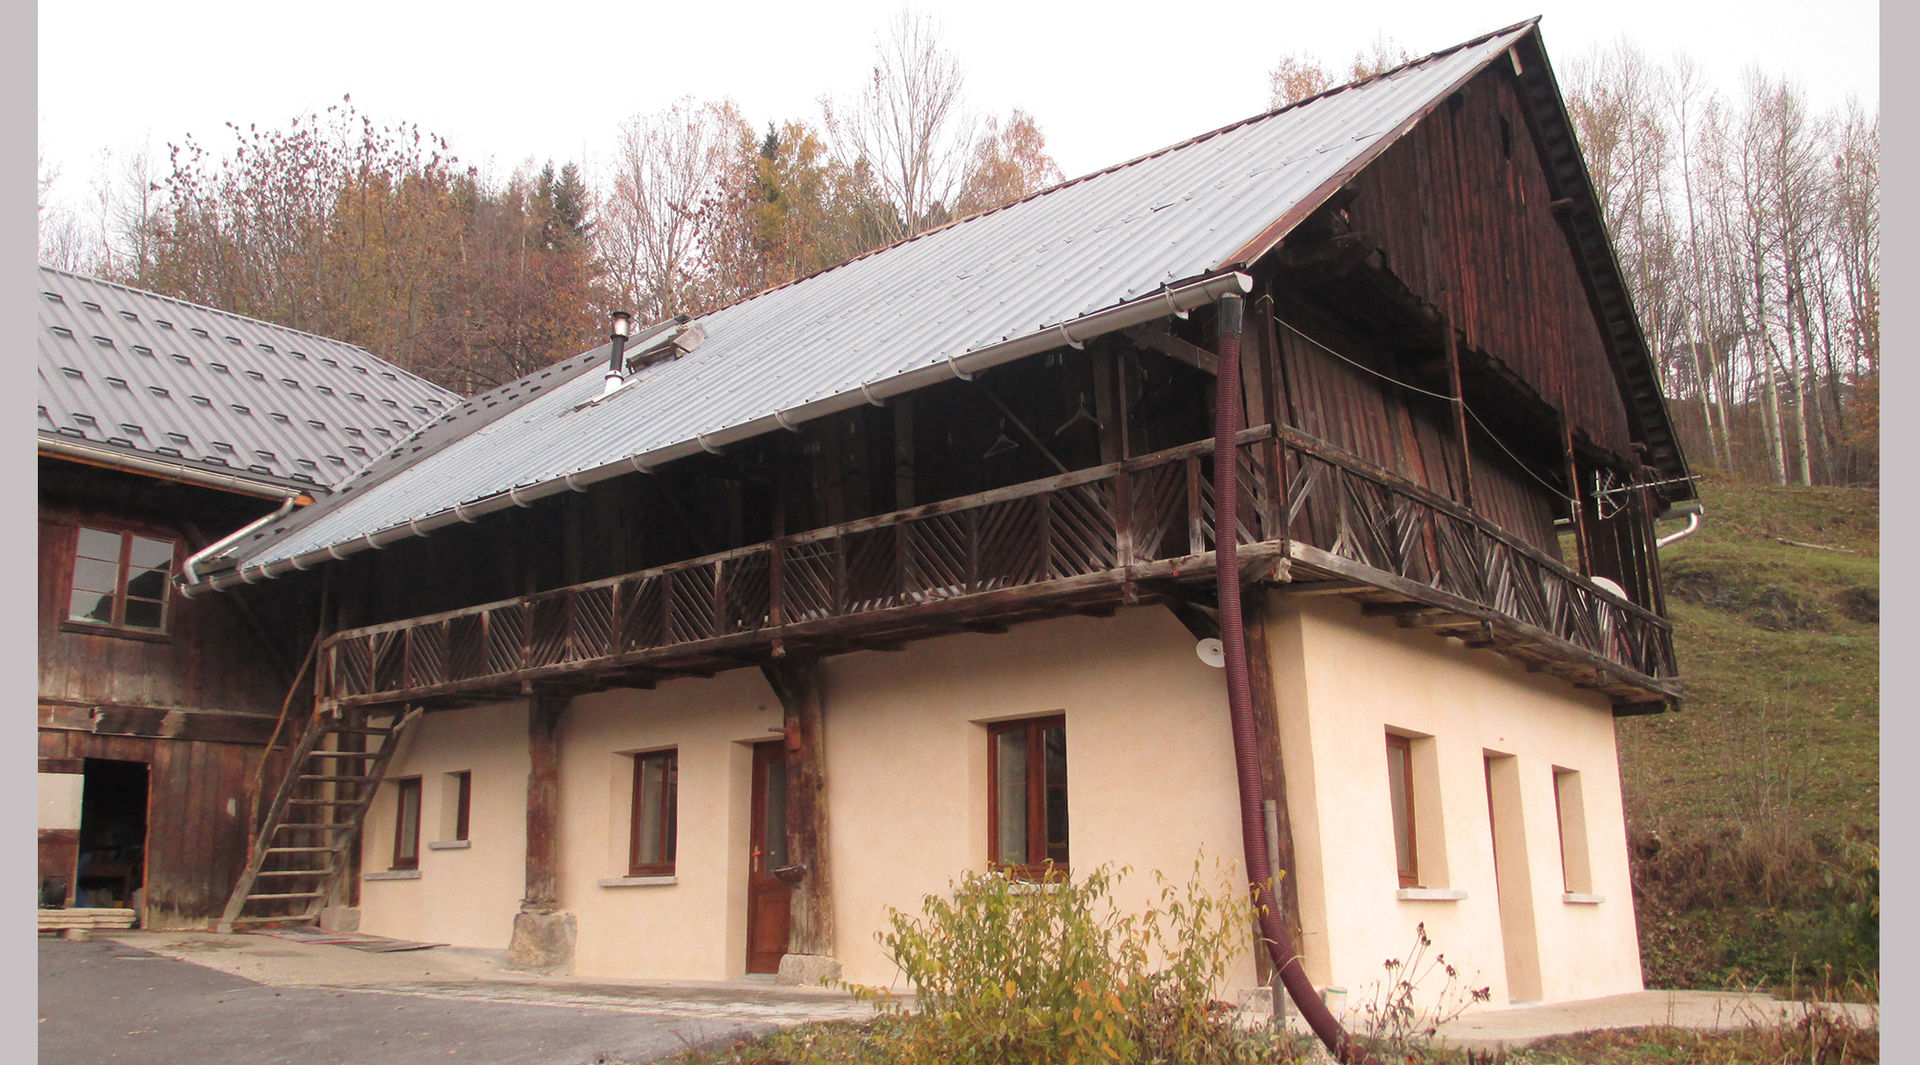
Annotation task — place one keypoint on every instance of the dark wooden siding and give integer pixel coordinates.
(210, 658)
(1463, 212)
(196, 817)
(1412, 435)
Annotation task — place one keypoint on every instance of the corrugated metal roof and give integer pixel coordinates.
(1189, 211)
(165, 379)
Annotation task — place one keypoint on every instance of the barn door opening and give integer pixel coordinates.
(111, 870)
(769, 899)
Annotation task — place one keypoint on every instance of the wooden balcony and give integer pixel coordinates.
(1312, 516)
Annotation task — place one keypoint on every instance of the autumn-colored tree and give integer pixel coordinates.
(1010, 161)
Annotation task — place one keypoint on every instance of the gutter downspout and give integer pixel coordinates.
(1692, 509)
(187, 571)
(1246, 757)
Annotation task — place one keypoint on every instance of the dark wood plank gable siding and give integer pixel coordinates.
(211, 658)
(1462, 208)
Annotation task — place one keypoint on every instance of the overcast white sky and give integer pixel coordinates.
(507, 82)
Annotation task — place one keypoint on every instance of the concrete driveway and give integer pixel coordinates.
(253, 1000)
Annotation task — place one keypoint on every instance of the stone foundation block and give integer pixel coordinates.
(807, 970)
(542, 941)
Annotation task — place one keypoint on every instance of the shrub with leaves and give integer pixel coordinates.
(1014, 970)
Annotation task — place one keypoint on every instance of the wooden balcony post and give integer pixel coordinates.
(543, 936)
(809, 958)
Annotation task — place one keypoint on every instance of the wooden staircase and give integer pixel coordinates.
(307, 838)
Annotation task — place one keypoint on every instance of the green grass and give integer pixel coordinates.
(1763, 791)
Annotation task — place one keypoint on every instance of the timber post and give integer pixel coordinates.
(809, 959)
(543, 935)
(1257, 612)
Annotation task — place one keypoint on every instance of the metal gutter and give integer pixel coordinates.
(188, 570)
(114, 458)
(1173, 299)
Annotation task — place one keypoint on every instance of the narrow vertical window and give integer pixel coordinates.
(656, 786)
(120, 580)
(1569, 810)
(406, 825)
(1400, 795)
(1027, 796)
(460, 792)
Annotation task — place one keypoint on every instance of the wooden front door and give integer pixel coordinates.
(768, 908)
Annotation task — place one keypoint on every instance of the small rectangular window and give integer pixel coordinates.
(120, 580)
(656, 788)
(406, 825)
(1400, 795)
(1027, 796)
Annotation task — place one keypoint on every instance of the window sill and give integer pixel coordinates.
(393, 874)
(637, 881)
(1581, 898)
(450, 845)
(1425, 894)
(95, 628)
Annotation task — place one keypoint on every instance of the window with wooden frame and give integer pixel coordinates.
(1027, 796)
(406, 824)
(1400, 796)
(656, 800)
(120, 580)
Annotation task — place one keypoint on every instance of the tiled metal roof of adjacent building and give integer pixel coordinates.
(157, 378)
(889, 320)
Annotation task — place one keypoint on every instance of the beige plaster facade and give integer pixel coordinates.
(1150, 786)
(1479, 724)
(465, 896)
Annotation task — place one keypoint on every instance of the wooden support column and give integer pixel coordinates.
(543, 935)
(1459, 411)
(1578, 509)
(809, 959)
(1255, 613)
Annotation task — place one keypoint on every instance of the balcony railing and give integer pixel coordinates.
(1093, 530)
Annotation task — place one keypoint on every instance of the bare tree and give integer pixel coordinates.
(908, 128)
(673, 169)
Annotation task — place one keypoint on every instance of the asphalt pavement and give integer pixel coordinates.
(105, 1001)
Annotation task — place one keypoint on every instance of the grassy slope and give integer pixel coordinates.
(1764, 790)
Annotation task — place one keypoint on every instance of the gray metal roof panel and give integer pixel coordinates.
(1077, 248)
(164, 378)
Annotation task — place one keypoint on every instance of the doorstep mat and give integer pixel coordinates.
(355, 940)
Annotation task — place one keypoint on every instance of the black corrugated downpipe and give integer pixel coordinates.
(1233, 638)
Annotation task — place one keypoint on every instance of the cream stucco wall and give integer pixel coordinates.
(1150, 775)
(695, 926)
(1151, 784)
(464, 896)
(60, 799)
(1345, 680)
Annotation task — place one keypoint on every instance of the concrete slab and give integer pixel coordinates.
(1705, 1010)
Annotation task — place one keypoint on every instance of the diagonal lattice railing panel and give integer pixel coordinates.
(690, 603)
(1082, 532)
(939, 556)
(590, 629)
(641, 621)
(1009, 544)
(746, 587)
(506, 638)
(547, 630)
(809, 575)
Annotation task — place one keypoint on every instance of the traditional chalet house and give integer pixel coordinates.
(163, 427)
(713, 644)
